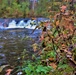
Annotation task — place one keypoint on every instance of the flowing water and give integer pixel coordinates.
(13, 41)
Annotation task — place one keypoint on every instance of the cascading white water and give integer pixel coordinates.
(23, 23)
(30, 24)
(12, 24)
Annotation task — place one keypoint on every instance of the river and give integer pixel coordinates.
(13, 41)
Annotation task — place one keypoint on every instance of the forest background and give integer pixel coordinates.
(30, 8)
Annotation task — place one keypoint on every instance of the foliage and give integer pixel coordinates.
(54, 58)
(32, 68)
(57, 48)
(17, 8)
(14, 9)
(42, 8)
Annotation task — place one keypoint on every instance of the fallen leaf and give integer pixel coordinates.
(53, 65)
(57, 23)
(51, 59)
(8, 71)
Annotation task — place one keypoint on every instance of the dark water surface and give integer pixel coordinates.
(13, 42)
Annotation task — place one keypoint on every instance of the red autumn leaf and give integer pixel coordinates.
(8, 71)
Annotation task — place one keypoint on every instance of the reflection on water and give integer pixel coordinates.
(12, 43)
